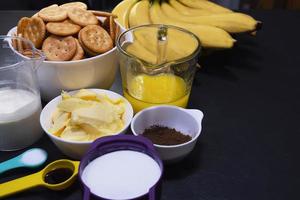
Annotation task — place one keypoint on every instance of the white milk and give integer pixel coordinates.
(121, 174)
(19, 118)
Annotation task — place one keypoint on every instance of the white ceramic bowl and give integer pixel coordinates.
(76, 149)
(187, 121)
(95, 72)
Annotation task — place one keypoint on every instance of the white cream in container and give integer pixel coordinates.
(19, 118)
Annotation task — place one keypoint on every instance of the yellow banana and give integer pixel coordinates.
(131, 13)
(206, 5)
(210, 36)
(147, 37)
(122, 11)
(187, 10)
(178, 44)
(138, 50)
(230, 22)
(139, 14)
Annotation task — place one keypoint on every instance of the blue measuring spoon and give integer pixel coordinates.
(31, 158)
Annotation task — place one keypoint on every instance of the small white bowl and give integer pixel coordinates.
(75, 149)
(187, 121)
(94, 72)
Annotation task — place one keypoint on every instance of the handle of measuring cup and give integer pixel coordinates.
(20, 184)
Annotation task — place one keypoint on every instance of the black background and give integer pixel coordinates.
(248, 149)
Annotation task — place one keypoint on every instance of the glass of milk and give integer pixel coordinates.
(20, 101)
(121, 167)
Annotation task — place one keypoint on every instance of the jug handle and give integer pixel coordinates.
(152, 193)
(38, 61)
(86, 193)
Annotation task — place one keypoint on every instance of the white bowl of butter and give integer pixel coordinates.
(75, 119)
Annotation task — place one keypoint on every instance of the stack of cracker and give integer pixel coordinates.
(67, 32)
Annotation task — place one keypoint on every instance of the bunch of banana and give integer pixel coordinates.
(145, 45)
(210, 22)
(122, 11)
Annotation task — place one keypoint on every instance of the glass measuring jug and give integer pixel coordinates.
(20, 103)
(157, 64)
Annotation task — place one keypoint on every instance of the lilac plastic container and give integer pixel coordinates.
(110, 144)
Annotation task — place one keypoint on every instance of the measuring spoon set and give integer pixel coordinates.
(57, 175)
(111, 163)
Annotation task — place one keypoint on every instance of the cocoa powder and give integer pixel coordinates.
(165, 136)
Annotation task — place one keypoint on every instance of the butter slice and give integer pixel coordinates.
(56, 114)
(86, 95)
(110, 129)
(93, 132)
(59, 124)
(105, 98)
(75, 133)
(96, 115)
(64, 95)
(71, 104)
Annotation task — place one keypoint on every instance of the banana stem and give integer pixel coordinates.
(259, 25)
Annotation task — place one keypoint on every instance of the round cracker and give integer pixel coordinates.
(96, 38)
(14, 42)
(30, 53)
(79, 52)
(51, 6)
(88, 51)
(20, 43)
(62, 28)
(72, 5)
(59, 48)
(35, 31)
(35, 15)
(82, 17)
(53, 13)
(23, 22)
(69, 21)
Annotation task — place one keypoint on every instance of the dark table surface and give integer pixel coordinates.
(249, 145)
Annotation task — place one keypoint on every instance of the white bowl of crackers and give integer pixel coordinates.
(79, 46)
